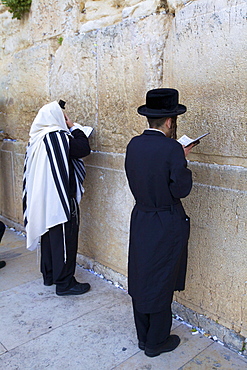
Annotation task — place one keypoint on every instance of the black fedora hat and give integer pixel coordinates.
(161, 103)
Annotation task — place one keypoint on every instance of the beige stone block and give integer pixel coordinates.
(105, 213)
(227, 177)
(19, 165)
(12, 162)
(119, 280)
(7, 185)
(73, 78)
(25, 90)
(98, 14)
(54, 18)
(205, 60)
(129, 63)
(15, 34)
(143, 8)
(216, 277)
(114, 161)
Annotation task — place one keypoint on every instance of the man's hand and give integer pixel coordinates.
(187, 150)
(69, 123)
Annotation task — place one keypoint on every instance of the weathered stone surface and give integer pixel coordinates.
(129, 75)
(73, 78)
(197, 320)
(7, 185)
(107, 273)
(105, 211)
(216, 273)
(11, 162)
(231, 178)
(24, 89)
(205, 59)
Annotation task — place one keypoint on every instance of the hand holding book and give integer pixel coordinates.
(187, 141)
(86, 129)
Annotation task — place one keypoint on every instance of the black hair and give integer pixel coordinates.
(158, 122)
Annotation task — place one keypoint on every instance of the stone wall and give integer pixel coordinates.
(111, 53)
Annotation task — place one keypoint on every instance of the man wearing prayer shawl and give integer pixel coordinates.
(158, 177)
(52, 190)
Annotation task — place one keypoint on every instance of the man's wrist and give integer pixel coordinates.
(72, 128)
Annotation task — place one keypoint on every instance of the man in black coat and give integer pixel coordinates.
(158, 177)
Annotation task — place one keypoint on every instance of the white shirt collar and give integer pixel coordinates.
(155, 129)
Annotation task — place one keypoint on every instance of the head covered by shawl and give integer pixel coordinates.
(42, 206)
(49, 118)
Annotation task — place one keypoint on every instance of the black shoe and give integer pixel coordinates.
(2, 264)
(141, 345)
(79, 288)
(170, 344)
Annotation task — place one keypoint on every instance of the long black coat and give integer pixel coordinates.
(158, 177)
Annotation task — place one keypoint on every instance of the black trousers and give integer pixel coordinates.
(153, 328)
(2, 230)
(54, 267)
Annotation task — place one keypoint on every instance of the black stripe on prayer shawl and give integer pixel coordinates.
(79, 169)
(24, 193)
(25, 222)
(61, 168)
(80, 173)
(24, 202)
(59, 157)
(65, 143)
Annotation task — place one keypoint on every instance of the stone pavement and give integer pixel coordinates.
(95, 331)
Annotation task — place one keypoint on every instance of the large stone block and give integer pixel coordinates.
(216, 277)
(12, 160)
(7, 185)
(141, 9)
(15, 34)
(105, 212)
(100, 14)
(129, 63)
(205, 59)
(73, 78)
(25, 90)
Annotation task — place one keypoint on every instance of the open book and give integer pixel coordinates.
(186, 141)
(86, 129)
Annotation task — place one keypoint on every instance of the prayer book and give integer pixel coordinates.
(86, 129)
(186, 141)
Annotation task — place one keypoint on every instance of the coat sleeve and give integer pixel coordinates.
(78, 145)
(180, 176)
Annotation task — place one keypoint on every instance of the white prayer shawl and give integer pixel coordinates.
(46, 174)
